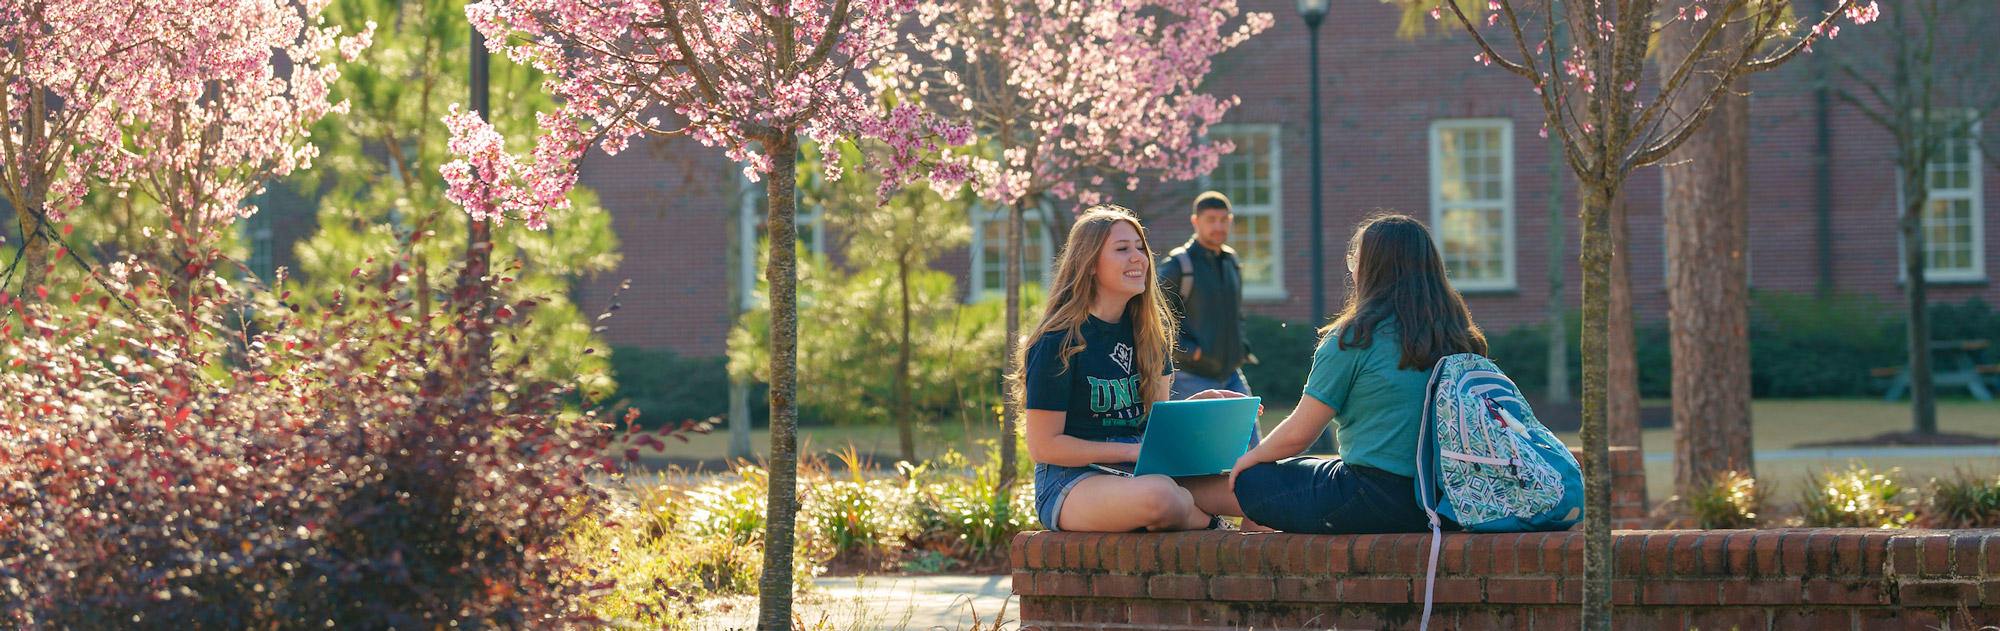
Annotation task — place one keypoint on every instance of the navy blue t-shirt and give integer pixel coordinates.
(1099, 390)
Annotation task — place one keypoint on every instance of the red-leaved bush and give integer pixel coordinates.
(181, 454)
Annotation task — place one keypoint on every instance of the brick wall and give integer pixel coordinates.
(1628, 487)
(1816, 579)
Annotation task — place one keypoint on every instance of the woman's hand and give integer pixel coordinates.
(1224, 394)
(1132, 451)
(1249, 459)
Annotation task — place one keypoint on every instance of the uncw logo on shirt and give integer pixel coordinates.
(1114, 394)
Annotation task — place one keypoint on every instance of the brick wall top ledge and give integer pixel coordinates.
(1809, 553)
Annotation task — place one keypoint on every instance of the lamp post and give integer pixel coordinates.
(1314, 11)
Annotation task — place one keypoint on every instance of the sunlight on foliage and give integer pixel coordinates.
(1858, 498)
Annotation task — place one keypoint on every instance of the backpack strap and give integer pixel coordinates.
(1427, 489)
(1187, 275)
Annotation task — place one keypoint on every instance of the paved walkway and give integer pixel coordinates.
(916, 603)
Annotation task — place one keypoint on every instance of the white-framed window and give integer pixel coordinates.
(1472, 200)
(1252, 178)
(750, 227)
(989, 253)
(1953, 222)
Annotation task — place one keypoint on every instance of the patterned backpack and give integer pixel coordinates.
(1484, 462)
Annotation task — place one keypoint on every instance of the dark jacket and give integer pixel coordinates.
(1211, 315)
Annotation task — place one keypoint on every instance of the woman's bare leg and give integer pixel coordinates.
(1109, 503)
(1212, 495)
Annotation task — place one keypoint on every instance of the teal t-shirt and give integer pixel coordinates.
(1377, 407)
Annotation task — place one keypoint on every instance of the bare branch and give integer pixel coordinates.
(1805, 42)
(1491, 55)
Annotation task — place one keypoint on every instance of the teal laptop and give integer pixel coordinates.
(1202, 437)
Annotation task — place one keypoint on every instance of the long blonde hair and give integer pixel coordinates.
(1074, 290)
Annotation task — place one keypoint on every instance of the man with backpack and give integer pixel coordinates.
(1204, 284)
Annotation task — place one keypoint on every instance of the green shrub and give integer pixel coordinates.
(858, 517)
(732, 510)
(960, 514)
(1857, 498)
(1793, 345)
(1284, 357)
(668, 388)
(1801, 345)
(1972, 319)
(1523, 352)
(1964, 500)
(1730, 501)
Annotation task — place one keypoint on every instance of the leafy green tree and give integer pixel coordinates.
(380, 191)
(898, 241)
(946, 355)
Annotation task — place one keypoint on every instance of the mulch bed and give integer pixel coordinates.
(1907, 439)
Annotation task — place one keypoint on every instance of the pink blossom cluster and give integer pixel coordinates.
(722, 73)
(1087, 88)
(486, 180)
(194, 103)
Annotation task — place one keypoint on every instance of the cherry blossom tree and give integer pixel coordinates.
(1077, 99)
(66, 67)
(256, 76)
(194, 104)
(1589, 84)
(749, 76)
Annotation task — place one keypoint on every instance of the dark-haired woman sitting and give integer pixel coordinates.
(1368, 376)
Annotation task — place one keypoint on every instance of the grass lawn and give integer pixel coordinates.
(1780, 424)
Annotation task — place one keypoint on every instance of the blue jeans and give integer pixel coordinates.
(1330, 497)
(1187, 384)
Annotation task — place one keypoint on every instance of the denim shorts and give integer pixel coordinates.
(1053, 482)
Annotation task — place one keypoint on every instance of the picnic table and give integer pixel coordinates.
(1953, 363)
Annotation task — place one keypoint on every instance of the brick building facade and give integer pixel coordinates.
(1409, 125)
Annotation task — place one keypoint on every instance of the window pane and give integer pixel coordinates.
(993, 252)
(1252, 239)
(1249, 176)
(1473, 243)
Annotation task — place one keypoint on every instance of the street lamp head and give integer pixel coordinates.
(1313, 11)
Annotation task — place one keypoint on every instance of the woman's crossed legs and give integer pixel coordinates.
(1110, 503)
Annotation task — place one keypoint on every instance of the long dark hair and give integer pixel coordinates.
(1398, 273)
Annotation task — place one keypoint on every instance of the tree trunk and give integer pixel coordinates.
(31, 270)
(774, 612)
(1596, 267)
(905, 432)
(32, 260)
(1622, 407)
(1706, 188)
(1558, 309)
(1010, 408)
(1923, 393)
